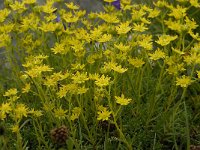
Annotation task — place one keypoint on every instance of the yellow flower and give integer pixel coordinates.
(136, 62)
(80, 77)
(139, 27)
(119, 69)
(78, 66)
(175, 68)
(194, 36)
(20, 111)
(53, 79)
(198, 74)
(60, 113)
(105, 38)
(122, 101)
(5, 39)
(13, 98)
(76, 111)
(146, 42)
(18, 6)
(109, 1)
(15, 128)
(50, 17)
(154, 13)
(80, 13)
(183, 81)
(48, 106)
(123, 28)
(5, 108)
(36, 113)
(3, 14)
(72, 6)
(123, 48)
(81, 90)
(194, 58)
(69, 88)
(158, 54)
(102, 81)
(10, 92)
(137, 14)
(49, 27)
(174, 25)
(59, 48)
(103, 114)
(48, 8)
(93, 76)
(178, 12)
(164, 40)
(190, 24)
(194, 3)
(109, 18)
(27, 88)
(70, 18)
(2, 115)
(29, 1)
(37, 70)
(96, 33)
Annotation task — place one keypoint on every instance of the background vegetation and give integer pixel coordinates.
(115, 78)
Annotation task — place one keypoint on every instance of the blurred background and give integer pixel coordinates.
(89, 5)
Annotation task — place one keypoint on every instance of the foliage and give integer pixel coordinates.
(124, 78)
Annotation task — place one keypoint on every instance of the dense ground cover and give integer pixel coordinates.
(124, 78)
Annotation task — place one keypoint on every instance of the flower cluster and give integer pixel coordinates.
(67, 66)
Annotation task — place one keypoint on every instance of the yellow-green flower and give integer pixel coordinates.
(80, 77)
(178, 12)
(122, 100)
(183, 81)
(20, 111)
(81, 90)
(136, 62)
(158, 54)
(164, 40)
(154, 13)
(146, 42)
(72, 6)
(3, 14)
(29, 1)
(76, 111)
(122, 47)
(109, 18)
(109, 1)
(18, 6)
(139, 27)
(6, 108)
(49, 27)
(175, 68)
(27, 88)
(105, 38)
(123, 28)
(15, 128)
(198, 74)
(194, 3)
(36, 113)
(60, 113)
(96, 33)
(2, 115)
(119, 69)
(10, 92)
(103, 114)
(69, 88)
(102, 81)
(59, 48)
(48, 7)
